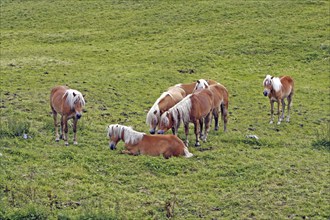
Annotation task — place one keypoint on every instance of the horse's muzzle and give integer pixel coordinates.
(78, 116)
(265, 93)
(161, 132)
(112, 146)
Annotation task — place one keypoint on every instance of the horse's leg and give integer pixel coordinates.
(271, 112)
(278, 111)
(196, 129)
(186, 131)
(289, 106)
(216, 118)
(75, 121)
(201, 121)
(65, 130)
(208, 120)
(283, 109)
(57, 137)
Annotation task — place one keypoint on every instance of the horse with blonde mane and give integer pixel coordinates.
(69, 104)
(168, 99)
(277, 89)
(190, 87)
(140, 143)
(192, 108)
(220, 101)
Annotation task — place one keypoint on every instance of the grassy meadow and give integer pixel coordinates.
(122, 55)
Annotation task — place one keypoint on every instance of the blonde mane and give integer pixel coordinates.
(181, 111)
(155, 108)
(276, 83)
(73, 96)
(201, 84)
(130, 136)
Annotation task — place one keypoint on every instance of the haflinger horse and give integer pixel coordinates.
(277, 89)
(69, 104)
(192, 108)
(220, 101)
(167, 100)
(190, 87)
(140, 143)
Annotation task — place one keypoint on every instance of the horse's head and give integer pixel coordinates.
(114, 135)
(153, 119)
(201, 84)
(166, 122)
(267, 85)
(76, 102)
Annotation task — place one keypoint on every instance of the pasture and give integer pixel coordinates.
(122, 55)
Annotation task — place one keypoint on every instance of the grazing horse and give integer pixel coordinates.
(220, 101)
(277, 89)
(167, 100)
(69, 104)
(141, 143)
(190, 87)
(192, 108)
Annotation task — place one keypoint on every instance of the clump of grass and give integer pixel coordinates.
(323, 138)
(14, 127)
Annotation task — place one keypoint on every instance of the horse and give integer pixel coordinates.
(191, 109)
(69, 104)
(190, 87)
(220, 101)
(140, 143)
(277, 89)
(167, 99)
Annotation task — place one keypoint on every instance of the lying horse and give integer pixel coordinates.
(141, 143)
(220, 101)
(277, 89)
(69, 104)
(167, 100)
(192, 108)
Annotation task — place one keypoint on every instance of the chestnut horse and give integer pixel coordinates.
(141, 143)
(190, 87)
(167, 100)
(220, 101)
(277, 89)
(69, 104)
(192, 108)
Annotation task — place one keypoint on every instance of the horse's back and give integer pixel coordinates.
(202, 102)
(288, 83)
(156, 145)
(56, 98)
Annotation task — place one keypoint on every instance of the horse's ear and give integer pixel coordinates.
(167, 114)
(198, 81)
(74, 94)
(116, 125)
(155, 112)
(272, 77)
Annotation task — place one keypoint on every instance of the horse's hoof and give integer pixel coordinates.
(216, 128)
(61, 136)
(67, 144)
(271, 122)
(197, 144)
(279, 123)
(75, 142)
(57, 140)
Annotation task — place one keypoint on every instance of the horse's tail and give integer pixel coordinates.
(224, 111)
(187, 154)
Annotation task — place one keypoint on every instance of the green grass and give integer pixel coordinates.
(122, 55)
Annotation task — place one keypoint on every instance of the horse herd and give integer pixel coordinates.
(196, 103)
